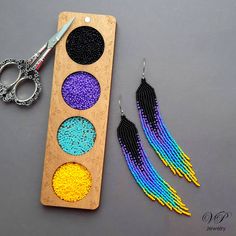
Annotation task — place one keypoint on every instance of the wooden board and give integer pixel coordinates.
(97, 115)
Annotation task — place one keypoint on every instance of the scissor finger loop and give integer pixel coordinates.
(12, 94)
(33, 97)
(20, 64)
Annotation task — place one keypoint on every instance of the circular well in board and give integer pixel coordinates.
(76, 135)
(71, 181)
(85, 45)
(81, 90)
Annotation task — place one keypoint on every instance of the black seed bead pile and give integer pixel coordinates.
(85, 45)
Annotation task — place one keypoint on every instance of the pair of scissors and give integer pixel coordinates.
(28, 70)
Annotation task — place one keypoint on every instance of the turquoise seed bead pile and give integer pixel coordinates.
(76, 135)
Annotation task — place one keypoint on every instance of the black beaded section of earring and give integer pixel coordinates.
(146, 99)
(128, 137)
(85, 45)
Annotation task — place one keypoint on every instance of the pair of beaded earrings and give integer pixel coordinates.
(165, 146)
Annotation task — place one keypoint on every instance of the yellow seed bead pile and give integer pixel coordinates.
(71, 182)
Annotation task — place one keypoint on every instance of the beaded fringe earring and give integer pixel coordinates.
(158, 135)
(152, 184)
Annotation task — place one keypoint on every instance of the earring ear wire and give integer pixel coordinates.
(144, 68)
(121, 110)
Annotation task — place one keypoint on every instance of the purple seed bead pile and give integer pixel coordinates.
(81, 90)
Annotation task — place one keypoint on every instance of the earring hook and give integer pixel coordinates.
(144, 68)
(121, 110)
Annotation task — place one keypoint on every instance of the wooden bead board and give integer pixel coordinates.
(97, 114)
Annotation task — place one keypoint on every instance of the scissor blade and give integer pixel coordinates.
(56, 37)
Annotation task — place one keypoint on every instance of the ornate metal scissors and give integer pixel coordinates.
(28, 70)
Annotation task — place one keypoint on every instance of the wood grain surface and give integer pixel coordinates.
(97, 115)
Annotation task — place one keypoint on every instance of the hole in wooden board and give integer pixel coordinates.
(87, 19)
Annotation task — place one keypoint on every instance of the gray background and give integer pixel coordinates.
(191, 54)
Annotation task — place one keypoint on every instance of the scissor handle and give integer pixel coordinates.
(8, 92)
(11, 96)
(21, 66)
